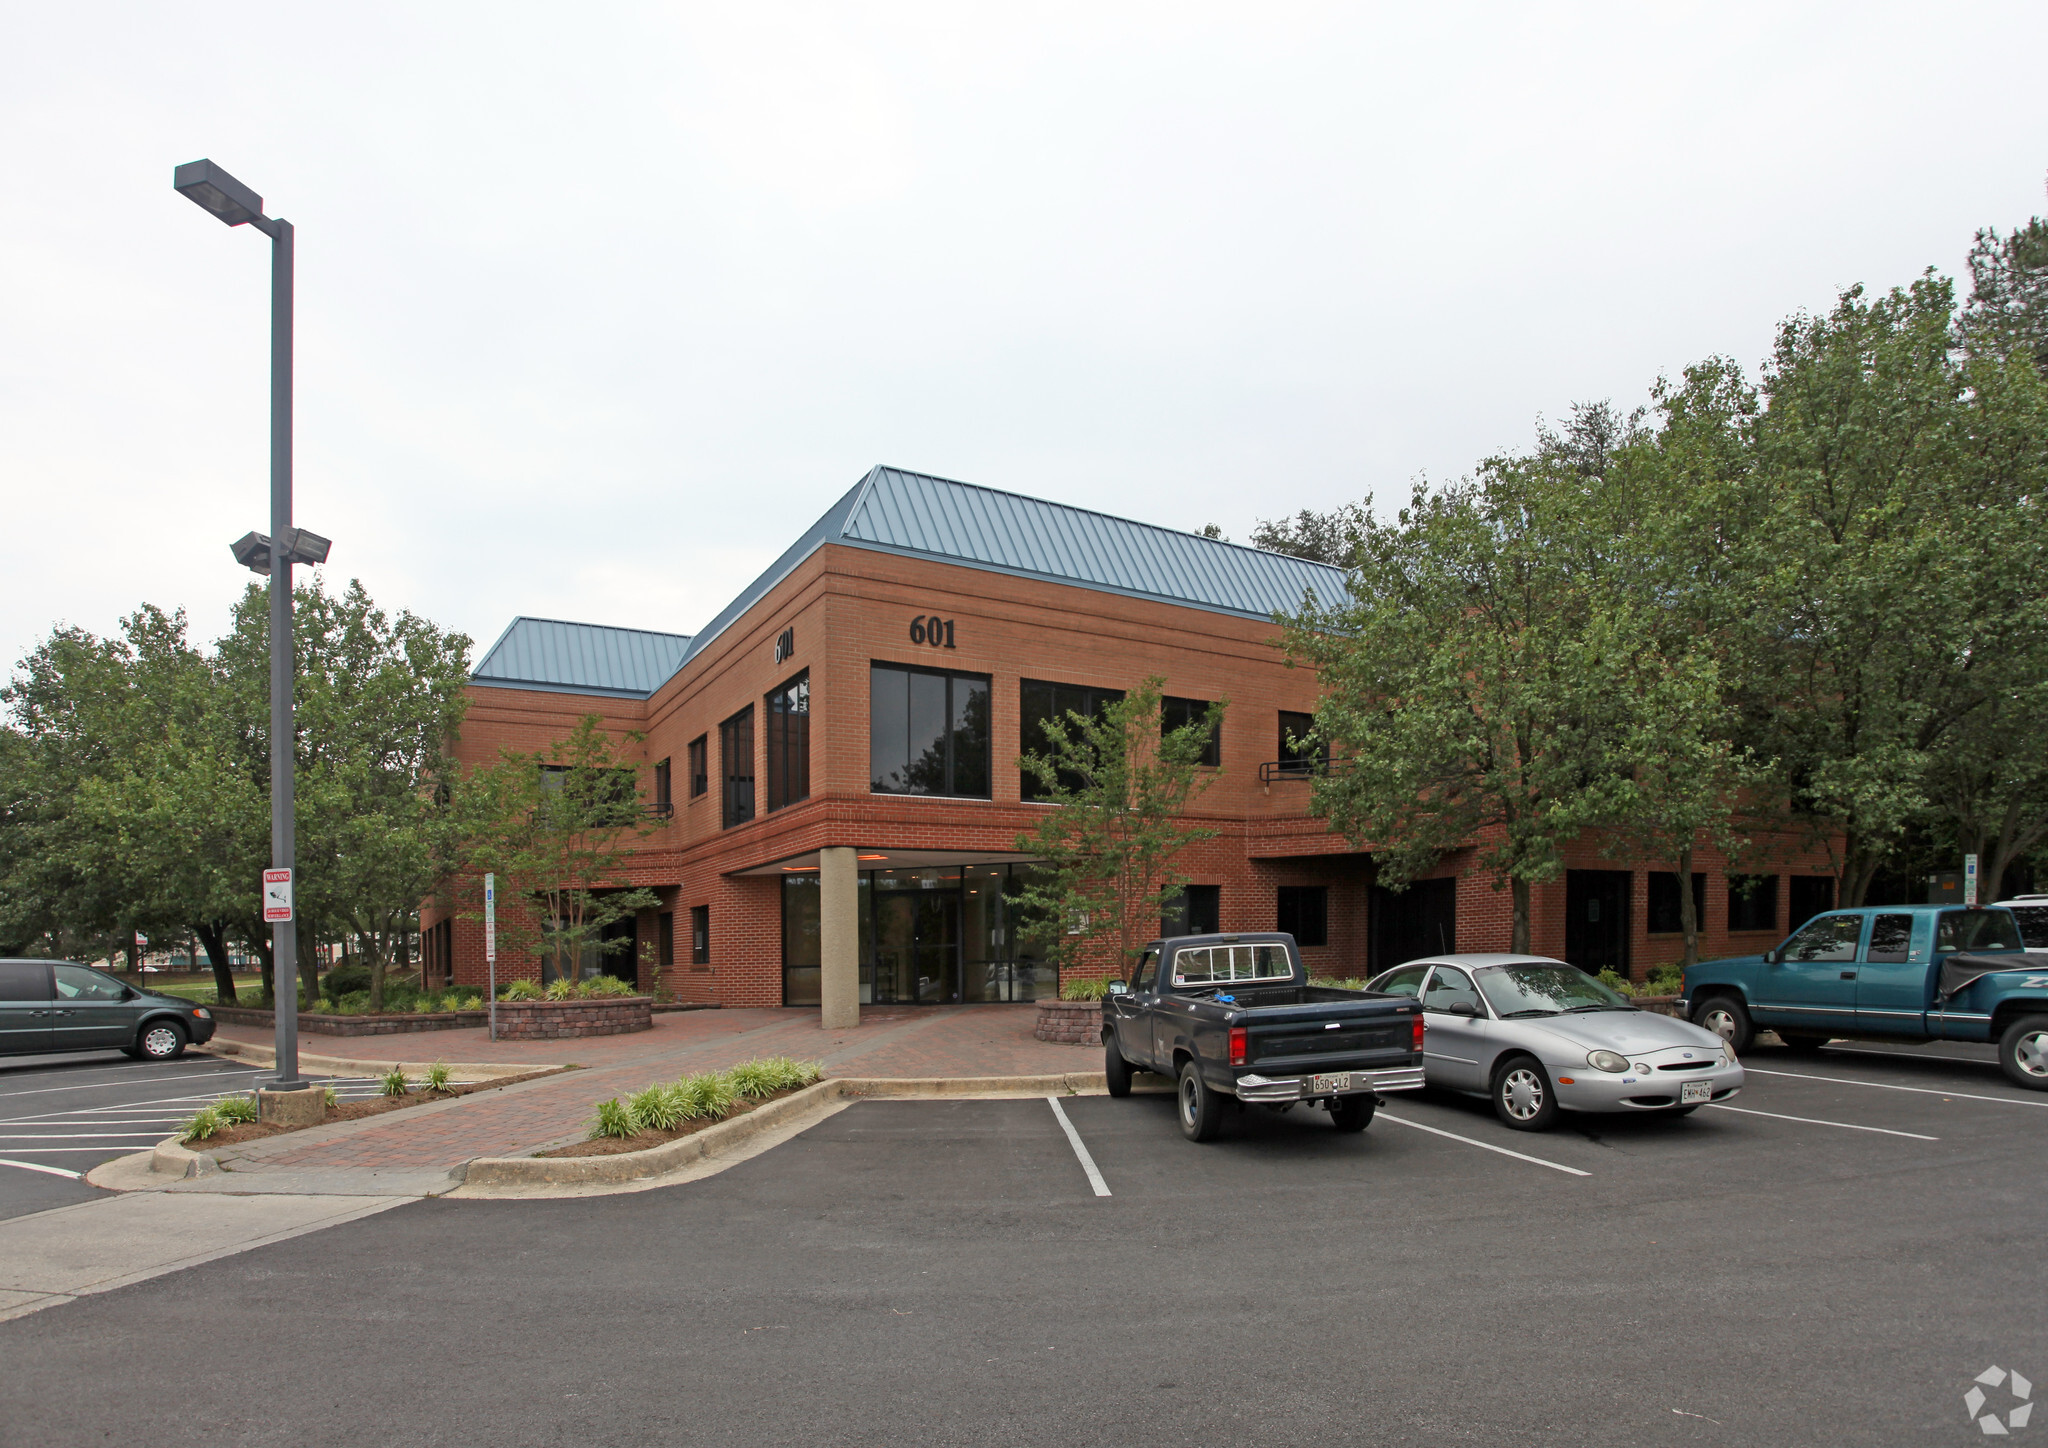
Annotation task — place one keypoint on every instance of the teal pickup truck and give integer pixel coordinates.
(1889, 973)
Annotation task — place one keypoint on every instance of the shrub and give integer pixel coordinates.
(767, 1076)
(560, 990)
(355, 1003)
(520, 990)
(393, 1083)
(656, 1109)
(1665, 980)
(1084, 990)
(333, 1098)
(1615, 980)
(235, 1110)
(1348, 983)
(344, 980)
(437, 1077)
(607, 985)
(426, 1005)
(204, 1123)
(709, 1094)
(614, 1119)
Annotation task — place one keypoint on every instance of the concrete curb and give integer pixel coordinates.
(172, 1158)
(465, 1071)
(821, 1099)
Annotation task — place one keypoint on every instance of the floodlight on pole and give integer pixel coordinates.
(221, 195)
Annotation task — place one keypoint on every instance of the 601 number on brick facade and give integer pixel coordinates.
(931, 630)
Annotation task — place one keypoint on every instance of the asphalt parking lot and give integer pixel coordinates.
(62, 1115)
(1832, 1264)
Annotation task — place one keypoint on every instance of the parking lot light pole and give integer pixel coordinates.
(213, 189)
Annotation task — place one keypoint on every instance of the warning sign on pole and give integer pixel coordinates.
(277, 896)
(490, 917)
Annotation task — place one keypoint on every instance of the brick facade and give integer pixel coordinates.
(850, 606)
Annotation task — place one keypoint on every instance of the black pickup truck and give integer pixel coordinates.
(1233, 1019)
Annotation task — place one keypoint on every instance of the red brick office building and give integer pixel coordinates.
(831, 763)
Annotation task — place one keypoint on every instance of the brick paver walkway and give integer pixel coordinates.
(889, 1041)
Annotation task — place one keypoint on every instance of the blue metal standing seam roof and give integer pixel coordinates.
(581, 658)
(916, 515)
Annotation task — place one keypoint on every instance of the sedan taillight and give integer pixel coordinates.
(1237, 1046)
(1417, 1046)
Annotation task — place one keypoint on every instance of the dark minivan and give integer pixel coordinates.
(55, 1005)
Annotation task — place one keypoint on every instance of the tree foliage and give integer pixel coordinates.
(1119, 785)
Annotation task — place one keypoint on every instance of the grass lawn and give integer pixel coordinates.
(200, 990)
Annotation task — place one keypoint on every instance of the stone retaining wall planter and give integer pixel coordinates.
(1078, 1023)
(561, 1020)
(321, 1024)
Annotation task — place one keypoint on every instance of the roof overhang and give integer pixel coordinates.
(881, 859)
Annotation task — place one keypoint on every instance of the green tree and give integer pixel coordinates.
(1320, 537)
(2007, 314)
(555, 827)
(1119, 784)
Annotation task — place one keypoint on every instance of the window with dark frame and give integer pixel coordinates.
(1300, 759)
(1752, 902)
(736, 764)
(1808, 896)
(1664, 902)
(699, 765)
(789, 742)
(1177, 713)
(1304, 913)
(1196, 910)
(928, 732)
(1042, 699)
(664, 801)
(700, 935)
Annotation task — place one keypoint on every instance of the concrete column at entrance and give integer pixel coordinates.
(838, 937)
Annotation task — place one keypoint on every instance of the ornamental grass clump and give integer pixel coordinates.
(771, 1074)
(614, 1118)
(437, 1077)
(606, 985)
(236, 1110)
(204, 1123)
(658, 1108)
(520, 990)
(393, 1082)
(1084, 990)
(560, 990)
(707, 1095)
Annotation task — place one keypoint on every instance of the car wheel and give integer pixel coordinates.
(1804, 1045)
(1352, 1113)
(1522, 1096)
(2023, 1052)
(160, 1041)
(1726, 1018)
(1115, 1069)
(1201, 1110)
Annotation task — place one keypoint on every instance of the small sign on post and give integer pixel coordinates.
(1969, 879)
(277, 896)
(491, 950)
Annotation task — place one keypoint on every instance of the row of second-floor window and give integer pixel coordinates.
(929, 733)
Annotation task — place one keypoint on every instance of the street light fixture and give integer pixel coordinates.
(214, 190)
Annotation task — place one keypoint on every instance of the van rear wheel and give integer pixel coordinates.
(2023, 1052)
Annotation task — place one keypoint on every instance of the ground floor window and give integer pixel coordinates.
(1196, 910)
(935, 936)
(1752, 902)
(1304, 912)
(1665, 904)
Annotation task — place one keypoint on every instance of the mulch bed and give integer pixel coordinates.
(618, 1145)
(355, 1111)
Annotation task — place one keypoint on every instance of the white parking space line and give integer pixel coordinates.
(1815, 1121)
(1074, 1138)
(133, 1081)
(77, 1176)
(1884, 1086)
(1482, 1145)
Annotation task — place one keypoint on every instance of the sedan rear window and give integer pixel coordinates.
(1215, 964)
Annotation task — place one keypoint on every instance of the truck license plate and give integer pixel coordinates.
(1695, 1091)
(1339, 1082)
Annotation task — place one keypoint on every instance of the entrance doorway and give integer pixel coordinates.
(1596, 919)
(917, 946)
(1408, 924)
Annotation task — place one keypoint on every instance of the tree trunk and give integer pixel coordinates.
(373, 950)
(1688, 914)
(209, 933)
(1519, 943)
(309, 964)
(134, 953)
(258, 936)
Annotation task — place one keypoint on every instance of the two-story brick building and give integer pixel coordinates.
(832, 763)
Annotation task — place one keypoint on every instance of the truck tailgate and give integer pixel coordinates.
(1335, 1036)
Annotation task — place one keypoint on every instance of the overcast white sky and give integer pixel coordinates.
(601, 305)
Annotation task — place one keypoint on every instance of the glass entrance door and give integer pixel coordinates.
(917, 944)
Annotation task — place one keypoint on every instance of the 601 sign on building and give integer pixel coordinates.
(932, 631)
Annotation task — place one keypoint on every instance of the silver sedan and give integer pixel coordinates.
(1537, 1036)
